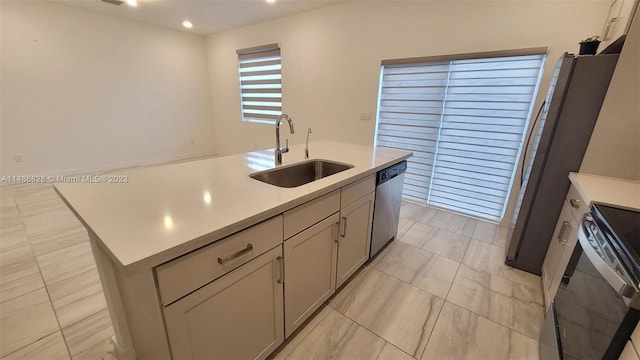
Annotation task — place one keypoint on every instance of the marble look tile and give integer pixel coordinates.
(299, 335)
(65, 263)
(403, 226)
(88, 332)
(11, 224)
(337, 337)
(25, 319)
(16, 254)
(58, 239)
(493, 297)
(451, 222)
(390, 352)
(461, 334)
(50, 221)
(33, 194)
(102, 351)
(22, 280)
(522, 277)
(472, 290)
(399, 313)
(483, 256)
(74, 288)
(80, 309)
(491, 233)
(420, 268)
(13, 239)
(447, 244)
(527, 318)
(51, 347)
(418, 234)
(522, 347)
(412, 211)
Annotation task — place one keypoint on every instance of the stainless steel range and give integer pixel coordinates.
(597, 306)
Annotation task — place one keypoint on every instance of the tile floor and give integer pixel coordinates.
(51, 300)
(441, 291)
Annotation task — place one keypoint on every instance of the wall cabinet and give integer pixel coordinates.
(238, 316)
(565, 238)
(618, 19)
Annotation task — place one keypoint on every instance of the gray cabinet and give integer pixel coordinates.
(238, 316)
(310, 271)
(354, 239)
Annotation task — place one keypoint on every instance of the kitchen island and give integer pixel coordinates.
(156, 233)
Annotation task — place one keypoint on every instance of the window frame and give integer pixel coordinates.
(260, 84)
(443, 90)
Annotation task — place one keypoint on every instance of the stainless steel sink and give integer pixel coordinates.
(301, 173)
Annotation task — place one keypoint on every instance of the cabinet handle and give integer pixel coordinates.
(563, 230)
(344, 226)
(575, 203)
(336, 229)
(280, 261)
(611, 21)
(222, 261)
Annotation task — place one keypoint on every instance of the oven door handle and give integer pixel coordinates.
(589, 247)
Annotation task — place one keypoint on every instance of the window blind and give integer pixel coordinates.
(260, 83)
(464, 120)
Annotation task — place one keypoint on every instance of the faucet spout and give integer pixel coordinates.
(279, 151)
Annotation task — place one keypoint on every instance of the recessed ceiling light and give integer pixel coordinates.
(187, 24)
(271, 1)
(133, 3)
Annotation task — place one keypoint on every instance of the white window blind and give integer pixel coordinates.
(260, 83)
(464, 121)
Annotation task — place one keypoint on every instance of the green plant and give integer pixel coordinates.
(594, 38)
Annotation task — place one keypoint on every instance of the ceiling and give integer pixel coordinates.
(207, 16)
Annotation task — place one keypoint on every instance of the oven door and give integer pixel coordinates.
(589, 305)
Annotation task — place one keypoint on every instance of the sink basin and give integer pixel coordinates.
(301, 173)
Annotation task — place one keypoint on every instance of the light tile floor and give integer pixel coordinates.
(441, 291)
(51, 300)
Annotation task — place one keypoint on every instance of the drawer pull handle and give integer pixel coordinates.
(222, 261)
(280, 268)
(344, 227)
(563, 230)
(575, 203)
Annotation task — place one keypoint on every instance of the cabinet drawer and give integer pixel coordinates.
(191, 271)
(357, 190)
(305, 215)
(576, 203)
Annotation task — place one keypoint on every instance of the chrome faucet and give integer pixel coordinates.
(279, 151)
(306, 148)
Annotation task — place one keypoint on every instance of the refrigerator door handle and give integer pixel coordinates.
(528, 142)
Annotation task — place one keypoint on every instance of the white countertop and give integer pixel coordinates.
(165, 211)
(606, 190)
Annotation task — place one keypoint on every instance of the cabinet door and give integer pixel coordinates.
(238, 316)
(309, 268)
(564, 240)
(354, 239)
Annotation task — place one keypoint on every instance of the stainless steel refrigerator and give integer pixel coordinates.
(555, 147)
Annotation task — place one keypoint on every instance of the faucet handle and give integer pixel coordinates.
(286, 146)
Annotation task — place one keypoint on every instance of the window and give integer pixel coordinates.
(463, 117)
(260, 83)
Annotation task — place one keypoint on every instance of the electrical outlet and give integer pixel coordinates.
(17, 157)
(365, 116)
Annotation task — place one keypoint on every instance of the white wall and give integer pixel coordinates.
(331, 56)
(83, 91)
(614, 148)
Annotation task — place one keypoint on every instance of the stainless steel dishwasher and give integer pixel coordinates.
(386, 209)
